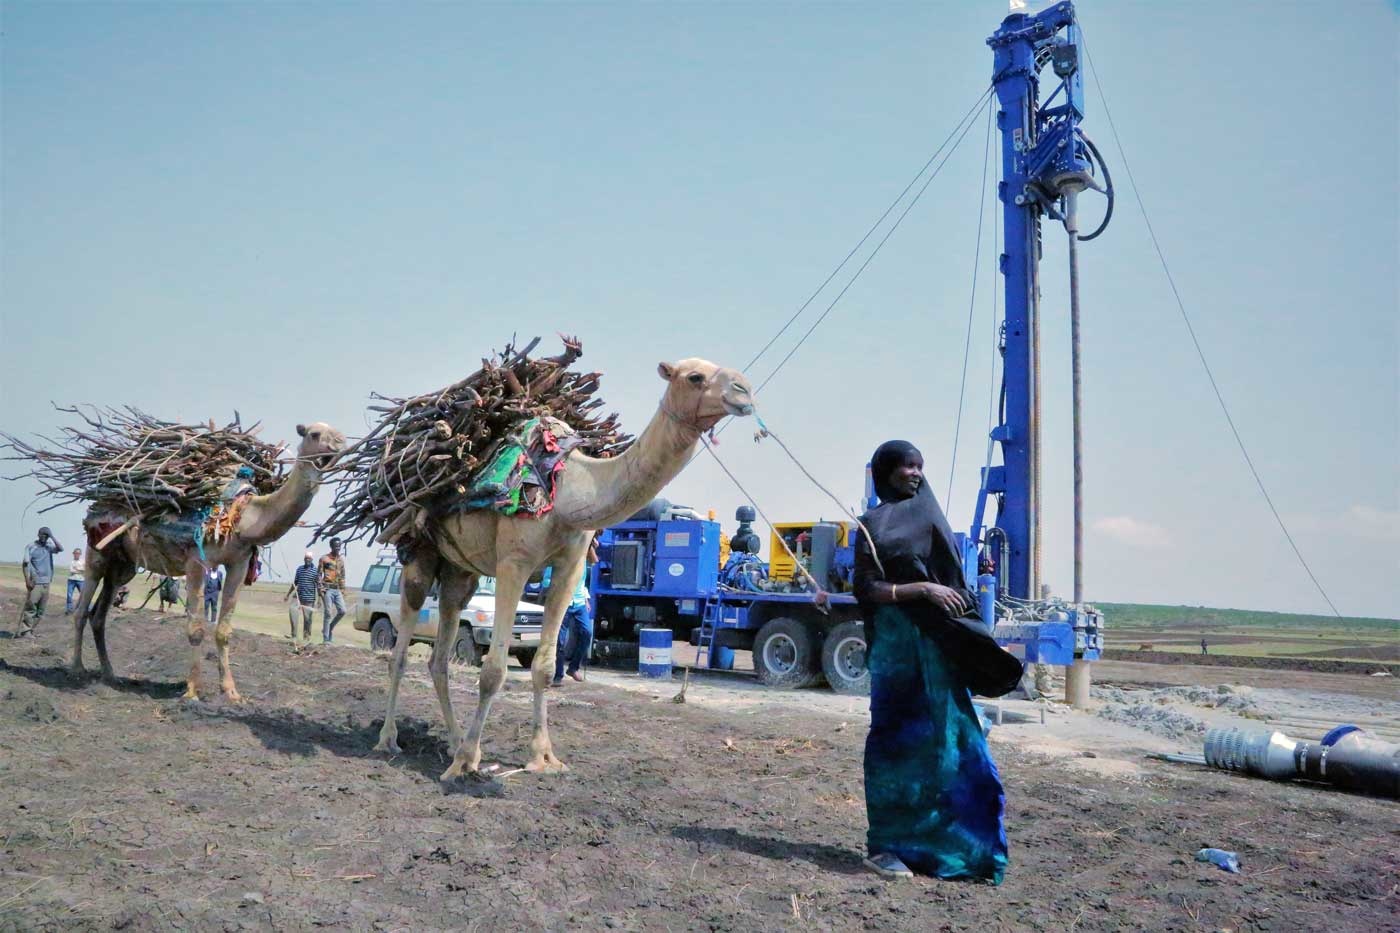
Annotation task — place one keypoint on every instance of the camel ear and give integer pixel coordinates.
(301, 430)
(667, 371)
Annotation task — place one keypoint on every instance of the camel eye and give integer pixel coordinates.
(695, 379)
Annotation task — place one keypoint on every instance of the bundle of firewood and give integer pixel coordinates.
(418, 460)
(127, 460)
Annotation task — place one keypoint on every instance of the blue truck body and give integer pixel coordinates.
(667, 574)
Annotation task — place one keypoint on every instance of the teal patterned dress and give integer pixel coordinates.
(932, 792)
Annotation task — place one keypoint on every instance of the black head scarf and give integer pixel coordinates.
(887, 458)
(911, 533)
(915, 544)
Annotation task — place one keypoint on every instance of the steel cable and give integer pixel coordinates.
(1195, 341)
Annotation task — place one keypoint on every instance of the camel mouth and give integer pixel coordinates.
(738, 410)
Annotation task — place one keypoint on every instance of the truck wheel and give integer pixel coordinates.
(843, 660)
(382, 635)
(465, 650)
(786, 654)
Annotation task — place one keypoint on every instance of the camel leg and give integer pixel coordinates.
(118, 573)
(414, 584)
(194, 619)
(511, 576)
(564, 577)
(91, 580)
(457, 588)
(234, 574)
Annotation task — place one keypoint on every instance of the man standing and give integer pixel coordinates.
(75, 580)
(213, 586)
(305, 584)
(169, 592)
(38, 574)
(332, 572)
(578, 619)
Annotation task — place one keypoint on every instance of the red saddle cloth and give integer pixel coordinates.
(99, 530)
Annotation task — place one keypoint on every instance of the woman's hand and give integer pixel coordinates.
(945, 597)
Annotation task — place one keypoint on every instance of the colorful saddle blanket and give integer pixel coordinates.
(211, 523)
(523, 474)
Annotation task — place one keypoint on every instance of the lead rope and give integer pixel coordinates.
(820, 598)
(764, 431)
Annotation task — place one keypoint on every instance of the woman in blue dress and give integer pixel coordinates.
(933, 796)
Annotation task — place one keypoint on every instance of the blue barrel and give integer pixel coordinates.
(654, 652)
(724, 659)
(987, 598)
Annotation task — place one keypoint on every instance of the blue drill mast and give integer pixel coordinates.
(1046, 161)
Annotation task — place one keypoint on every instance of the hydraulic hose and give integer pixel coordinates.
(1108, 188)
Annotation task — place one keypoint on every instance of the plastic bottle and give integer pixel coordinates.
(1227, 861)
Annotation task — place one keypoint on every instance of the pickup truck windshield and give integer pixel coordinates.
(374, 580)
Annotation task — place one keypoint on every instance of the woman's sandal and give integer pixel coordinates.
(888, 866)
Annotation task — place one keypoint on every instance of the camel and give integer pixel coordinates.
(262, 520)
(592, 493)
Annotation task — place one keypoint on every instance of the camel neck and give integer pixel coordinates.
(274, 514)
(597, 492)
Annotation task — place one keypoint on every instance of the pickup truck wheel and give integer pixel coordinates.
(843, 660)
(382, 635)
(786, 654)
(465, 650)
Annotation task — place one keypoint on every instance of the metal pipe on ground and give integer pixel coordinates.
(1345, 757)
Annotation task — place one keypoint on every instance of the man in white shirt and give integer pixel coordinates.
(75, 580)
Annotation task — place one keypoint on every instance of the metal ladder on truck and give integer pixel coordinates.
(705, 643)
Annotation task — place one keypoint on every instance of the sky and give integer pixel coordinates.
(279, 208)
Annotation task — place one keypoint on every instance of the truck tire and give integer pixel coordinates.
(843, 659)
(786, 654)
(382, 635)
(465, 650)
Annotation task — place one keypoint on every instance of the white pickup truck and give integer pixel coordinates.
(378, 614)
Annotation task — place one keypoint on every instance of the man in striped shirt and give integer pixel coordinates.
(306, 585)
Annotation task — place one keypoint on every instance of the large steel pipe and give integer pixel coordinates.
(1345, 757)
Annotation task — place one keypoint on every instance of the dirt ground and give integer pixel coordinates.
(742, 809)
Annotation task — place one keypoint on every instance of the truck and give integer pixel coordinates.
(378, 614)
(679, 571)
(675, 570)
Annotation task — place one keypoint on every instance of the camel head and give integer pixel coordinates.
(320, 444)
(700, 394)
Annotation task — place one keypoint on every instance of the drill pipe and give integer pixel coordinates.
(1345, 757)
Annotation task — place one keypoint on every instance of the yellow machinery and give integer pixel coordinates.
(798, 538)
